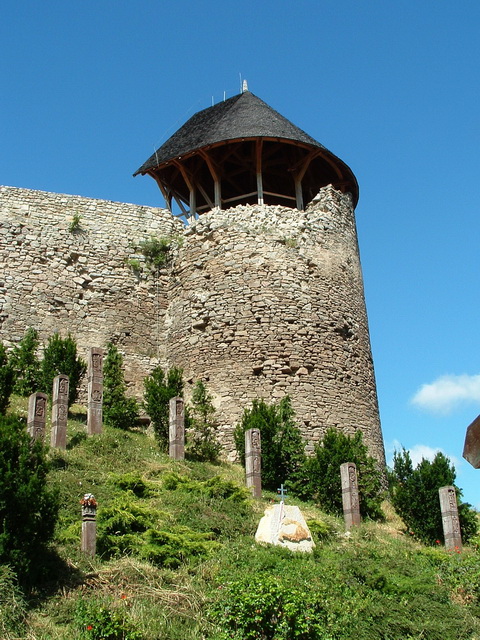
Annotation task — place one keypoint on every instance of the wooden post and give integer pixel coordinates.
(259, 172)
(176, 449)
(60, 412)
(451, 524)
(37, 412)
(350, 498)
(95, 391)
(89, 524)
(253, 462)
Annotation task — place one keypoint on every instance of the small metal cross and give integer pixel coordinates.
(282, 492)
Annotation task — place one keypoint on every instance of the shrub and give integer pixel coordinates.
(6, 380)
(156, 252)
(321, 480)
(415, 496)
(282, 445)
(202, 442)
(118, 410)
(26, 364)
(96, 621)
(28, 507)
(159, 389)
(60, 356)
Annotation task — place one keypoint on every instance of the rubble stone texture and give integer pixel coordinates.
(258, 301)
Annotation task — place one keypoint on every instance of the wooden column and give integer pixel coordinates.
(176, 448)
(89, 524)
(258, 150)
(253, 462)
(350, 498)
(37, 413)
(451, 524)
(59, 412)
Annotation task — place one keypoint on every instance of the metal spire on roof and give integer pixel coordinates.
(244, 86)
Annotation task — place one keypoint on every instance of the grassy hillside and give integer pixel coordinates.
(179, 562)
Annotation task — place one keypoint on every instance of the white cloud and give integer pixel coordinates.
(445, 393)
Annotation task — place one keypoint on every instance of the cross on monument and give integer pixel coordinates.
(282, 492)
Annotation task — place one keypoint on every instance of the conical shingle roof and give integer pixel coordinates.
(234, 129)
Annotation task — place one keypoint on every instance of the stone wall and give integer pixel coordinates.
(266, 301)
(259, 301)
(78, 281)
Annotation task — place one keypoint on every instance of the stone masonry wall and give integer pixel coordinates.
(267, 301)
(259, 301)
(78, 281)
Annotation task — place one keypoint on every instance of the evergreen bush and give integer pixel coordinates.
(415, 496)
(282, 446)
(26, 364)
(320, 479)
(28, 507)
(119, 410)
(202, 442)
(60, 356)
(7, 380)
(159, 388)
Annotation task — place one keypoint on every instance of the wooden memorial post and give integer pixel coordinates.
(450, 521)
(37, 413)
(60, 412)
(89, 524)
(95, 391)
(176, 431)
(253, 462)
(350, 497)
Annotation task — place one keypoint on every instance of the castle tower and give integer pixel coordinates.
(266, 294)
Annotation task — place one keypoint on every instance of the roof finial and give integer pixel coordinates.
(244, 86)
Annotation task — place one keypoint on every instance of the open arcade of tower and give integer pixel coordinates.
(262, 295)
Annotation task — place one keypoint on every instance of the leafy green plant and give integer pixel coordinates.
(320, 478)
(282, 445)
(135, 265)
(415, 496)
(156, 252)
(159, 388)
(7, 379)
(75, 223)
(26, 364)
(60, 356)
(13, 608)
(202, 441)
(96, 621)
(28, 506)
(118, 409)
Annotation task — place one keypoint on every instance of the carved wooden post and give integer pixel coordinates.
(37, 412)
(95, 391)
(350, 498)
(450, 521)
(253, 462)
(176, 432)
(89, 524)
(60, 412)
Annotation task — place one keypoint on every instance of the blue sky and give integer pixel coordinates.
(90, 89)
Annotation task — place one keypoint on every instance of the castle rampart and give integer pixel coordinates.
(260, 301)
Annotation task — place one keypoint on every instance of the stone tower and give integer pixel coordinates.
(266, 294)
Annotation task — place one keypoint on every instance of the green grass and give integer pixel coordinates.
(180, 562)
